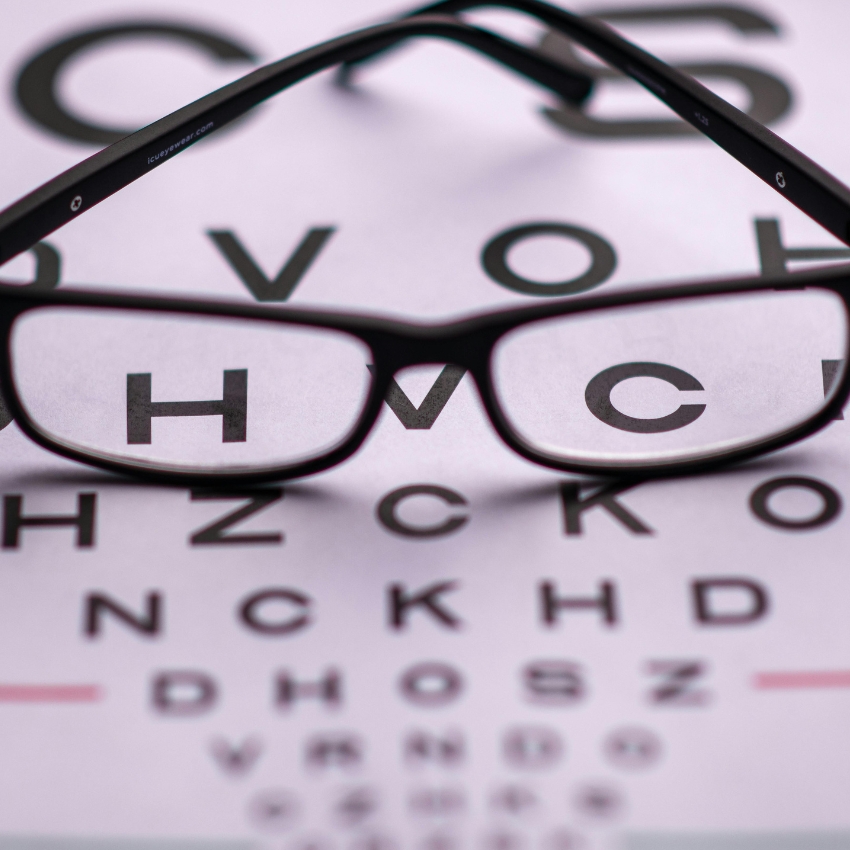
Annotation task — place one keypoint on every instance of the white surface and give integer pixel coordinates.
(432, 155)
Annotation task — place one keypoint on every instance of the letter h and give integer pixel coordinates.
(14, 520)
(233, 407)
(327, 689)
(553, 604)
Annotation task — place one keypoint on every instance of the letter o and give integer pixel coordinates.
(388, 506)
(431, 684)
(597, 396)
(38, 81)
(760, 498)
(602, 265)
(249, 612)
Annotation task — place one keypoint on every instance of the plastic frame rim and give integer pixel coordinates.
(396, 345)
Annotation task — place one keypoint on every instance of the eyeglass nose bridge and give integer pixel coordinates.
(468, 349)
(463, 345)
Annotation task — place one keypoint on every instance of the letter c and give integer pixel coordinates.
(249, 611)
(37, 83)
(388, 517)
(598, 397)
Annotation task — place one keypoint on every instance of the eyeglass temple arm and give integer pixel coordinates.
(62, 199)
(796, 177)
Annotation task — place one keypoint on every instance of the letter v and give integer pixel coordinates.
(424, 416)
(236, 760)
(287, 278)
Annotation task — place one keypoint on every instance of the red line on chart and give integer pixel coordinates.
(50, 693)
(800, 679)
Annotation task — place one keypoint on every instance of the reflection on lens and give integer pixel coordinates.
(188, 391)
(672, 381)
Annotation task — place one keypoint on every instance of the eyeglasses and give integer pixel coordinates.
(652, 382)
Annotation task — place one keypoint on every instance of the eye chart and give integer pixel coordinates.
(435, 645)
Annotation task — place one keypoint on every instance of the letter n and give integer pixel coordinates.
(147, 623)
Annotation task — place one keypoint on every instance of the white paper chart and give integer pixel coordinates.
(436, 645)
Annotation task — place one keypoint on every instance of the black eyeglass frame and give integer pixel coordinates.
(803, 182)
(396, 345)
(789, 172)
(62, 199)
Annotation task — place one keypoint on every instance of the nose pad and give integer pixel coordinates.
(418, 394)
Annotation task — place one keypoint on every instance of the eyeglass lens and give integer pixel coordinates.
(670, 381)
(184, 391)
